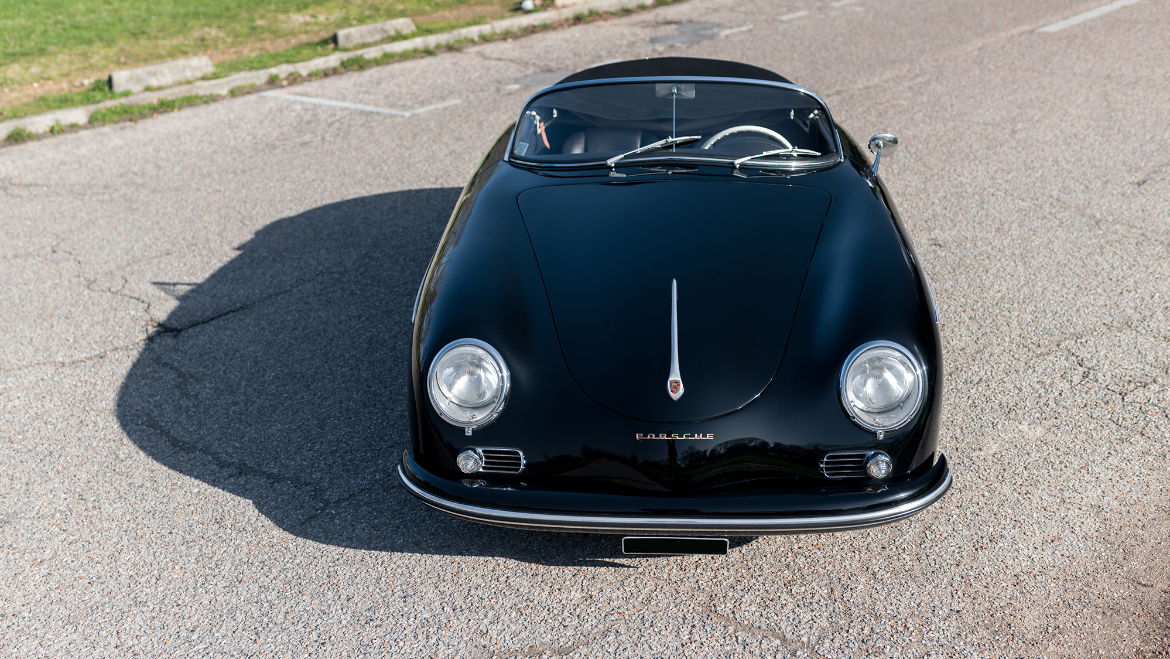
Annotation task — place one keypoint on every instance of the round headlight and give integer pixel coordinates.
(882, 386)
(468, 383)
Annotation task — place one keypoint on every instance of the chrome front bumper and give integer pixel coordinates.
(694, 525)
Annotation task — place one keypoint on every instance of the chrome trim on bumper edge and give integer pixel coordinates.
(723, 525)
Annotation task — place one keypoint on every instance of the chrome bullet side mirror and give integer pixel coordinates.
(879, 143)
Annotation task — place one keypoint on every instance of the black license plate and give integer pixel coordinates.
(673, 546)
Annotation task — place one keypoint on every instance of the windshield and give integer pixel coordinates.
(729, 121)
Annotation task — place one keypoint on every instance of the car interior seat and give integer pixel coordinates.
(592, 140)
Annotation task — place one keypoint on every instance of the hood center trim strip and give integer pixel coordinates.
(674, 384)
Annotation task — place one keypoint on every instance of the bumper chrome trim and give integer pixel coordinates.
(641, 524)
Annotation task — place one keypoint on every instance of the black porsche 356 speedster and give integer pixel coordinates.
(676, 299)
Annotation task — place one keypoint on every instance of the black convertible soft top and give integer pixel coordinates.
(675, 66)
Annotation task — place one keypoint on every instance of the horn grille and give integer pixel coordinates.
(844, 465)
(502, 460)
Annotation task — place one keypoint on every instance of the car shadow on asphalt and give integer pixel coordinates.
(282, 379)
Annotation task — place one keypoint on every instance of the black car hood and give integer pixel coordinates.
(608, 252)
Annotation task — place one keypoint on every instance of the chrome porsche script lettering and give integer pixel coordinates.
(640, 436)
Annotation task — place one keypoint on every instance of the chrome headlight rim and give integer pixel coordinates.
(919, 378)
(505, 384)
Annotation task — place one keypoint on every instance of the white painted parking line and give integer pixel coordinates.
(733, 30)
(841, 3)
(436, 106)
(335, 104)
(795, 14)
(1088, 15)
(357, 106)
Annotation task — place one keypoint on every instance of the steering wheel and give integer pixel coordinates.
(746, 129)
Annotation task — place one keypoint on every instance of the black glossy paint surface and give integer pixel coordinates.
(608, 253)
(488, 281)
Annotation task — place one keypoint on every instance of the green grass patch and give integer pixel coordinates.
(358, 63)
(118, 113)
(96, 93)
(20, 134)
(242, 89)
(49, 40)
(298, 53)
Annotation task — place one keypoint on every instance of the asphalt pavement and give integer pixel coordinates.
(204, 324)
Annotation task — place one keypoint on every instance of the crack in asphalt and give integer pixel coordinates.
(476, 52)
(73, 362)
(238, 468)
(327, 503)
(233, 467)
(10, 186)
(91, 282)
(1152, 173)
(162, 329)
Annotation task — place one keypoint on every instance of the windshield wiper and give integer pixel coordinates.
(778, 152)
(660, 143)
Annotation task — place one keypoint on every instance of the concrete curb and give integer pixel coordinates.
(352, 36)
(40, 123)
(160, 75)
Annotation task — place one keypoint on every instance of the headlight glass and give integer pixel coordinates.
(468, 383)
(882, 386)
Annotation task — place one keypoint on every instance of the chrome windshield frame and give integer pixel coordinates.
(786, 165)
